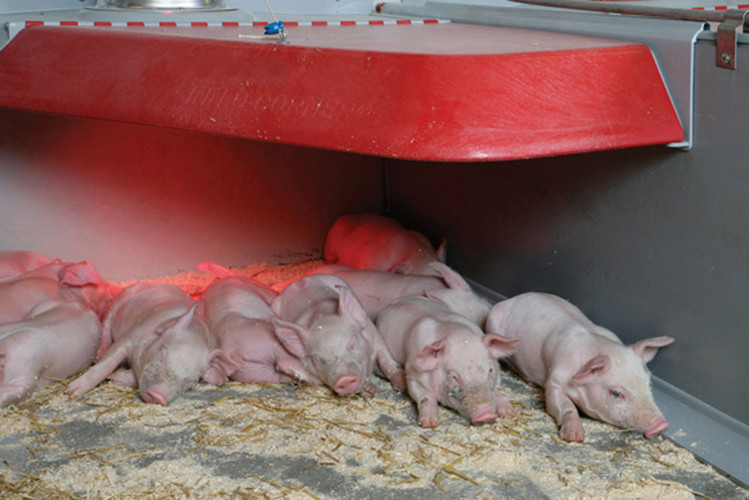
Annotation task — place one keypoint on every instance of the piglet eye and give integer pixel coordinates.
(617, 394)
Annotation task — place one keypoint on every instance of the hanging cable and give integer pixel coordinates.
(275, 28)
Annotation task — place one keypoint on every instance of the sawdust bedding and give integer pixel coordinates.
(273, 441)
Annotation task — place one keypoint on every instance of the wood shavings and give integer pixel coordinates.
(299, 442)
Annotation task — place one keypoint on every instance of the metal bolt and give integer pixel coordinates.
(725, 58)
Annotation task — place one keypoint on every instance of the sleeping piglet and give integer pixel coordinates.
(447, 360)
(155, 328)
(579, 364)
(368, 241)
(54, 282)
(237, 311)
(323, 324)
(377, 289)
(56, 340)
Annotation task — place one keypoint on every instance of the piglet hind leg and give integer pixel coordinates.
(14, 392)
(15, 382)
(97, 373)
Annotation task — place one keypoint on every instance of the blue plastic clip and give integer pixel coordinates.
(274, 28)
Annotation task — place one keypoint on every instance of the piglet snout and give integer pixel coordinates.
(483, 415)
(156, 395)
(346, 384)
(657, 425)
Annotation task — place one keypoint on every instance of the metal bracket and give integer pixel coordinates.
(725, 55)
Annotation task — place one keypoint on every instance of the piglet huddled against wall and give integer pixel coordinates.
(447, 360)
(579, 364)
(368, 241)
(434, 337)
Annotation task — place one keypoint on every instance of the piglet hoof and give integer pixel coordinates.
(429, 417)
(76, 389)
(505, 411)
(368, 390)
(429, 421)
(398, 380)
(572, 430)
(12, 393)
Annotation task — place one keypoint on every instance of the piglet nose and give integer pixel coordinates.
(483, 416)
(657, 425)
(346, 384)
(155, 395)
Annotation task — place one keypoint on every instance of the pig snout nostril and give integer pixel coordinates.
(155, 396)
(346, 384)
(657, 426)
(483, 417)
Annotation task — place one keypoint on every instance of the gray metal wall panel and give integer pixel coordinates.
(647, 241)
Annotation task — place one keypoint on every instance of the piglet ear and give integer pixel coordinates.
(350, 307)
(215, 269)
(441, 251)
(591, 370)
(647, 348)
(428, 358)
(499, 346)
(450, 276)
(292, 336)
(79, 274)
(178, 323)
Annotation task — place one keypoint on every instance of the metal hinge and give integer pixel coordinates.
(725, 55)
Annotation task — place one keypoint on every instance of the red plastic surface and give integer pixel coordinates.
(443, 92)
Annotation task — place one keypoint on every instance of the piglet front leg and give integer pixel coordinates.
(390, 368)
(426, 403)
(504, 407)
(564, 411)
(293, 368)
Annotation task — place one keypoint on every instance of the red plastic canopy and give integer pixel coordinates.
(428, 91)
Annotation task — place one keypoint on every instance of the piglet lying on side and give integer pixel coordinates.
(156, 329)
(237, 311)
(377, 289)
(447, 359)
(368, 241)
(54, 282)
(323, 324)
(579, 364)
(55, 341)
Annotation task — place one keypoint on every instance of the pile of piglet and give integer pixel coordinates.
(386, 304)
